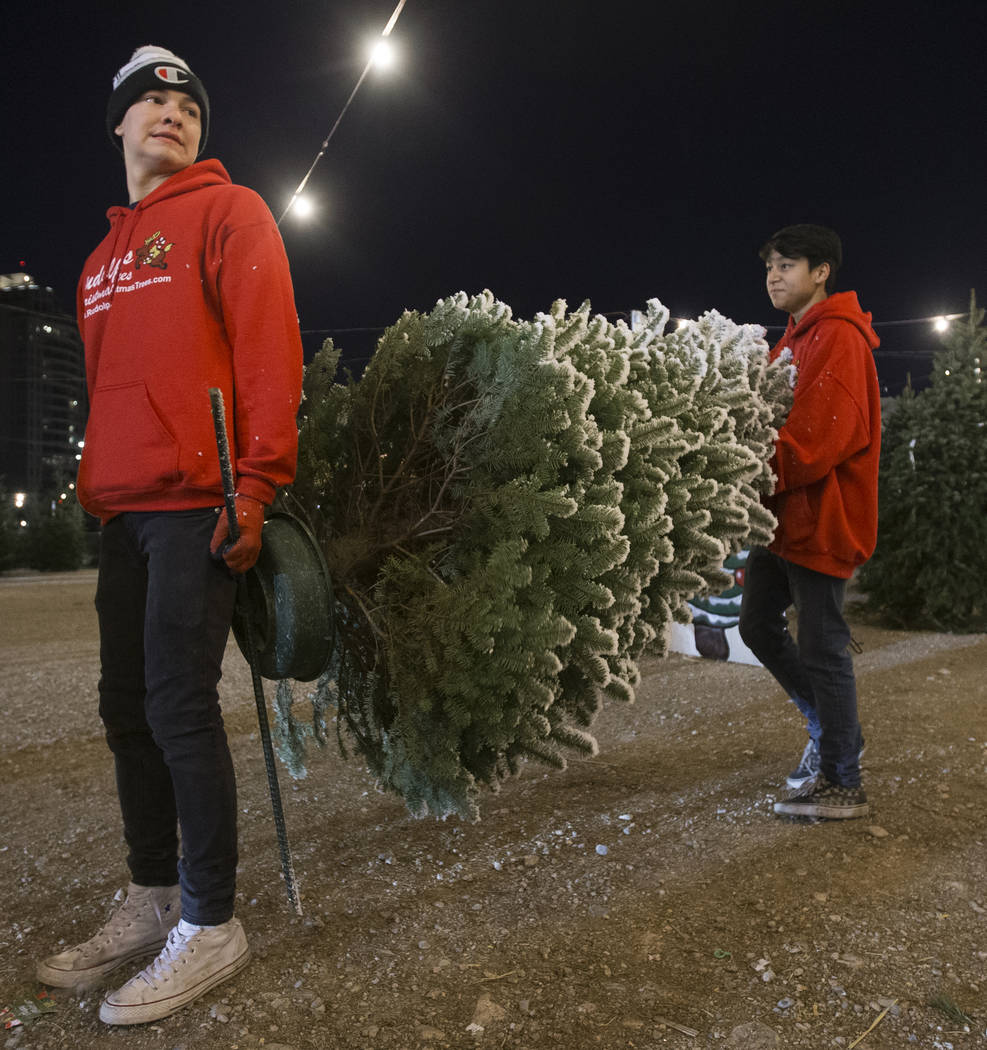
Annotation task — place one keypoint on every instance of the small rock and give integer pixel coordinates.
(430, 1034)
(753, 1036)
(602, 850)
(530, 860)
(877, 831)
(487, 1012)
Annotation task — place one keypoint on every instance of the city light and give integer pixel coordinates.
(19, 498)
(941, 324)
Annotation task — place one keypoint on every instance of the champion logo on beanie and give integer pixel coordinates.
(171, 74)
(151, 67)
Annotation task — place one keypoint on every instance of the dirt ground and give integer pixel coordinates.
(645, 898)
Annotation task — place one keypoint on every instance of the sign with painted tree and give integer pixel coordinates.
(714, 633)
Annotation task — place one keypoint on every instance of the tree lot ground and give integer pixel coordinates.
(645, 898)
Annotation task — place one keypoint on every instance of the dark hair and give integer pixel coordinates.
(818, 244)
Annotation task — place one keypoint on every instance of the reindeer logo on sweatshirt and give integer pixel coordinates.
(153, 252)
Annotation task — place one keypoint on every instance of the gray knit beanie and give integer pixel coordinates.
(154, 67)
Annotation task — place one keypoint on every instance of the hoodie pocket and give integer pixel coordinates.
(128, 448)
(798, 518)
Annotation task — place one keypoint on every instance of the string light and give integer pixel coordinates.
(382, 54)
(940, 323)
(372, 61)
(304, 207)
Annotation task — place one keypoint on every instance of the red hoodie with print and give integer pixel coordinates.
(189, 290)
(827, 453)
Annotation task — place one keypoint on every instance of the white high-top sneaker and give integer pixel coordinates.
(138, 926)
(195, 959)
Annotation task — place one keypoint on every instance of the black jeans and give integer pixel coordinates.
(165, 608)
(817, 672)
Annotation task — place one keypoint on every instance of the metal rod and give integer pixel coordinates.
(226, 468)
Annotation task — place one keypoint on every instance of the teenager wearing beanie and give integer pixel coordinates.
(189, 290)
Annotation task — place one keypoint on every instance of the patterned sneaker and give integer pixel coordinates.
(808, 767)
(195, 959)
(823, 799)
(138, 926)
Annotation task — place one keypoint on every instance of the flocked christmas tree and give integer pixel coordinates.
(512, 512)
(930, 565)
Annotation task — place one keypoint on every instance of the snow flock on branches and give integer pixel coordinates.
(513, 512)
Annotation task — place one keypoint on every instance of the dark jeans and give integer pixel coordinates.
(165, 608)
(817, 672)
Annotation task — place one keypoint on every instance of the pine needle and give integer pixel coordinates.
(678, 1027)
(946, 1006)
(877, 1020)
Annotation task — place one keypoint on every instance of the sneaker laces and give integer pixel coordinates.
(125, 915)
(172, 955)
(808, 753)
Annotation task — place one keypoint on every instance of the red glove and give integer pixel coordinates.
(250, 520)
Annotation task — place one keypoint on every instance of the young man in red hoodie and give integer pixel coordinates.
(189, 290)
(826, 461)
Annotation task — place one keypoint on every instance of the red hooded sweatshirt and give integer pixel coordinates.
(189, 290)
(827, 453)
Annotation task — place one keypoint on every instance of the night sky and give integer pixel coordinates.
(610, 150)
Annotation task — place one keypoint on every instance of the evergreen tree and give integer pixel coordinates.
(8, 530)
(714, 379)
(511, 512)
(56, 536)
(930, 565)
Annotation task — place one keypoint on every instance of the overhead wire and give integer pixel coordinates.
(332, 131)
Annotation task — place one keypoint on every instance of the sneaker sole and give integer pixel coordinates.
(143, 1013)
(816, 809)
(55, 978)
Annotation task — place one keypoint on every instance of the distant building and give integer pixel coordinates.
(42, 388)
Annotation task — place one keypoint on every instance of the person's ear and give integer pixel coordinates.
(823, 269)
